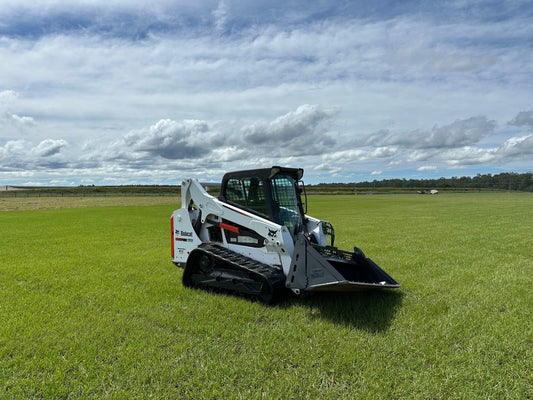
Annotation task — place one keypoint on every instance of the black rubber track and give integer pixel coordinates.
(213, 267)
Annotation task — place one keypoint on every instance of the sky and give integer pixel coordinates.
(136, 92)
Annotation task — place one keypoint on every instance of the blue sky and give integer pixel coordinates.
(131, 92)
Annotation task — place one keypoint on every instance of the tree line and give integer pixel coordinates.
(504, 181)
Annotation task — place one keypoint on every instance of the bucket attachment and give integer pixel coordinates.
(326, 268)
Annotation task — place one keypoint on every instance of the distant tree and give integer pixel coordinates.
(503, 181)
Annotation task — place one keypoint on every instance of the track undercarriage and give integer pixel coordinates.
(216, 268)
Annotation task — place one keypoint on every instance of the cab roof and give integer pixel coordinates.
(265, 173)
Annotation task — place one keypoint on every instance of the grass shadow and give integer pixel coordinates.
(372, 311)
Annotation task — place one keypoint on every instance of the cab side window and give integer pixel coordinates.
(249, 193)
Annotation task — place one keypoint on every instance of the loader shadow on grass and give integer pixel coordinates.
(372, 311)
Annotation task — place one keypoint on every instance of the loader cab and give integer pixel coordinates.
(272, 193)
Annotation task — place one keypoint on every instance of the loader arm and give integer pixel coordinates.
(202, 213)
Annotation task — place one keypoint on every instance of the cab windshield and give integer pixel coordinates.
(286, 201)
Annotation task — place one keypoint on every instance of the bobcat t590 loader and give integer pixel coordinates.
(256, 240)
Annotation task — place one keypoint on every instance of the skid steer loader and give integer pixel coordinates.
(256, 240)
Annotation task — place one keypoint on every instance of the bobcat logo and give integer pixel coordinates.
(272, 233)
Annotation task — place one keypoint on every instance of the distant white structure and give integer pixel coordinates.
(432, 191)
(6, 188)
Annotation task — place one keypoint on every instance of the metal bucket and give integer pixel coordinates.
(326, 268)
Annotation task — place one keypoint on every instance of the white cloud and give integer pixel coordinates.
(17, 156)
(422, 155)
(22, 121)
(7, 97)
(346, 156)
(13, 148)
(299, 132)
(523, 118)
(457, 134)
(12, 124)
(427, 168)
(221, 16)
(15, 123)
(297, 137)
(517, 148)
(49, 147)
(209, 85)
(468, 155)
(169, 139)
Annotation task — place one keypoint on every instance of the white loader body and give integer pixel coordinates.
(255, 239)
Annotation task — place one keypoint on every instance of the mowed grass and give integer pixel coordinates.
(92, 307)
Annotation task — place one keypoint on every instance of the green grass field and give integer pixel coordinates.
(92, 307)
